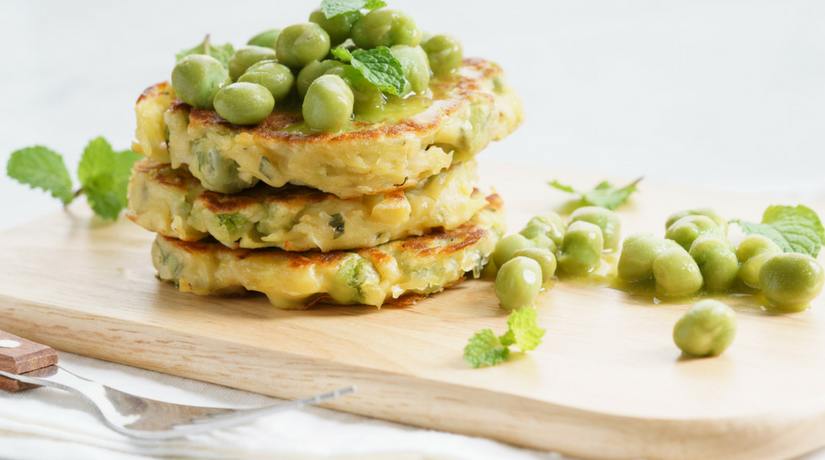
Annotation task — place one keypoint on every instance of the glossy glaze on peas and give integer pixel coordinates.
(790, 281)
(300, 44)
(518, 283)
(244, 103)
(197, 78)
(386, 27)
(328, 104)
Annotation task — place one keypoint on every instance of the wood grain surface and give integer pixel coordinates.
(606, 383)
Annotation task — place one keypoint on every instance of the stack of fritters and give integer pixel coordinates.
(379, 213)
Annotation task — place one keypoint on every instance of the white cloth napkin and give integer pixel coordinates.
(46, 423)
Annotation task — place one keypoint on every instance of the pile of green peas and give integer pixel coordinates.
(528, 260)
(695, 254)
(294, 65)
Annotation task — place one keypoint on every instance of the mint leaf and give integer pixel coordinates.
(604, 194)
(332, 8)
(104, 175)
(222, 53)
(794, 229)
(342, 54)
(485, 349)
(524, 332)
(41, 168)
(380, 68)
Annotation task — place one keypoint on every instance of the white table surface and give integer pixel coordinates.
(728, 95)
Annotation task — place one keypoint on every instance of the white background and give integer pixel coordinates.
(723, 94)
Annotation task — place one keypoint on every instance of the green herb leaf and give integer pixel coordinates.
(41, 168)
(524, 332)
(485, 349)
(794, 229)
(104, 175)
(222, 53)
(342, 54)
(332, 8)
(380, 68)
(604, 194)
(336, 221)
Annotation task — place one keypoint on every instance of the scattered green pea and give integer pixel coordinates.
(386, 27)
(717, 261)
(328, 104)
(339, 27)
(312, 71)
(606, 219)
(444, 53)
(244, 103)
(266, 39)
(550, 223)
(546, 260)
(790, 281)
(245, 57)
(707, 212)
(676, 273)
(639, 250)
(277, 78)
(518, 283)
(685, 230)
(752, 253)
(707, 329)
(581, 249)
(197, 78)
(508, 245)
(416, 68)
(300, 44)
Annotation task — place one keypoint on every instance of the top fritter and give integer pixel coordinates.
(352, 103)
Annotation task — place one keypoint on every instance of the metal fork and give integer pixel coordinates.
(35, 364)
(145, 418)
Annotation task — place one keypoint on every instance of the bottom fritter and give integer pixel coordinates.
(395, 272)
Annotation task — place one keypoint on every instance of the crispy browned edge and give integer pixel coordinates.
(271, 129)
(427, 245)
(221, 203)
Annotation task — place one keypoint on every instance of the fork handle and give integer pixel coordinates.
(19, 356)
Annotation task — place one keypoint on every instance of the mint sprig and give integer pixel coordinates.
(332, 8)
(41, 168)
(604, 195)
(379, 67)
(793, 228)
(103, 173)
(487, 349)
(223, 53)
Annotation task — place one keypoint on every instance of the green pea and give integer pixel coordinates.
(753, 251)
(707, 329)
(277, 78)
(676, 273)
(369, 100)
(707, 212)
(685, 230)
(244, 103)
(444, 53)
(790, 281)
(508, 245)
(328, 104)
(385, 27)
(518, 283)
(551, 224)
(354, 273)
(339, 27)
(606, 219)
(717, 261)
(581, 249)
(546, 260)
(543, 242)
(197, 78)
(312, 71)
(266, 39)
(639, 250)
(300, 44)
(245, 57)
(416, 68)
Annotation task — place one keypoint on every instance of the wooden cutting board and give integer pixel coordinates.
(606, 383)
